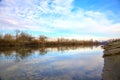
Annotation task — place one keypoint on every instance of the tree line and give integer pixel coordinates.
(25, 39)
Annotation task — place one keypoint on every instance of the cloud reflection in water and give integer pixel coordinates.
(68, 65)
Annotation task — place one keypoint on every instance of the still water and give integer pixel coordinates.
(83, 63)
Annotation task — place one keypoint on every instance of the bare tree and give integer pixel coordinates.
(8, 37)
(24, 37)
(17, 34)
(42, 38)
(1, 36)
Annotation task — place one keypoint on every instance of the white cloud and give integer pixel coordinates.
(54, 16)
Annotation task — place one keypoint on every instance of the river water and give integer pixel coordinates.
(82, 63)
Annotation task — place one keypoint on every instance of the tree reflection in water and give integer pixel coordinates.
(22, 52)
(51, 63)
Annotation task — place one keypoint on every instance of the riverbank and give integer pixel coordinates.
(13, 43)
(112, 48)
(22, 39)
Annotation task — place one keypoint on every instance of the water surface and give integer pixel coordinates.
(52, 64)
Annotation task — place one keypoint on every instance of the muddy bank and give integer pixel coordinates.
(111, 69)
(112, 48)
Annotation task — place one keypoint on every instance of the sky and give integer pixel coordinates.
(79, 19)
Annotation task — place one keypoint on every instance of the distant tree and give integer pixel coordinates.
(61, 40)
(43, 38)
(1, 36)
(58, 40)
(17, 33)
(8, 37)
(24, 37)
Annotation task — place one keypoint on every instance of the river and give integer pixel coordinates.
(82, 63)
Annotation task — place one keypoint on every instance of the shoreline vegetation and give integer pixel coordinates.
(112, 48)
(22, 39)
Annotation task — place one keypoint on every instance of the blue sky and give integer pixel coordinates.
(81, 19)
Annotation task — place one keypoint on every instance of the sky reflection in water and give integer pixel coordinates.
(77, 64)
